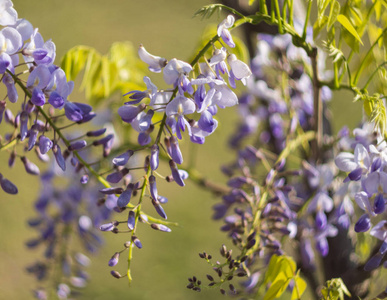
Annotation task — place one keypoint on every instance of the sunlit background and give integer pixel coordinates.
(161, 268)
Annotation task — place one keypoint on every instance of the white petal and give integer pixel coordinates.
(228, 96)
(345, 162)
(156, 63)
(239, 68)
(160, 99)
(361, 156)
(378, 231)
(362, 201)
(39, 77)
(201, 133)
(226, 23)
(180, 106)
(174, 68)
(24, 28)
(12, 40)
(8, 15)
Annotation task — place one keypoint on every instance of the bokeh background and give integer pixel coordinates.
(161, 268)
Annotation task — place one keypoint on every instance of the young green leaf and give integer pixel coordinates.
(299, 287)
(334, 12)
(347, 25)
(274, 290)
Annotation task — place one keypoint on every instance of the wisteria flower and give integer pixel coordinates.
(380, 230)
(156, 63)
(176, 72)
(11, 42)
(137, 96)
(8, 15)
(223, 30)
(37, 42)
(179, 107)
(239, 70)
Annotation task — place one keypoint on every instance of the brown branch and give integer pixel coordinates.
(317, 121)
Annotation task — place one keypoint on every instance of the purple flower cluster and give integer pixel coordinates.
(40, 124)
(365, 163)
(46, 92)
(186, 98)
(203, 94)
(280, 94)
(273, 199)
(63, 214)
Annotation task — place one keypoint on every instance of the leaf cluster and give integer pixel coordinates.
(281, 271)
(120, 70)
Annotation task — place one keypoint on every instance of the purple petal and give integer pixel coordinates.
(8, 186)
(38, 98)
(45, 144)
(78, 145)
(122, 159)
(124, 199)
(363, 224)
(131, 220)
(56, 100)
(175, 173)
(154, 158)
(30, 167)
(59, 157)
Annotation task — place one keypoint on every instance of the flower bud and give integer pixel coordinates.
(114, 260)
(154, 158)
(59, 157)
(45, 144)
(112, 190)
(379, 204)
(159, 209)
(129, 112)
(84, 179)
(175, 173)
(363, 224)
(136, 241)
(30, 167)
(122, 159)
(124, 199)
(131, 220)
(96, 132)
(8, 186)
(115, 274)
(23, 125)
(161, 227)
(78, 145)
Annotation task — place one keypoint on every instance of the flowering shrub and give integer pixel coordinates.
(304, 207)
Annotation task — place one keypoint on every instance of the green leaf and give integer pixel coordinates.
(251, 2)
(347, 25)
(272, 269)
(318, 26)
(335, 289)
(351, 41)
(378, 9)
(334, 12)
(355, 12)
(119, 70)
(275, 289)
(321, 7)
(299, 287)
(207, 11)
